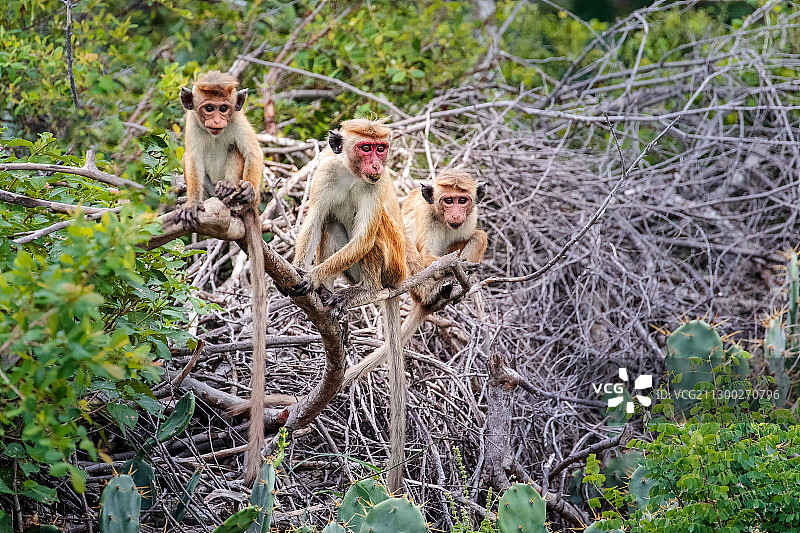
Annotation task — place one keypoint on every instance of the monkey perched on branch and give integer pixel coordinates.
(223, 158)
(439, 218)
(354, 227)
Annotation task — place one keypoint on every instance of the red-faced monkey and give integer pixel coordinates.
(440, 219)
(223, 158)
(354, 227)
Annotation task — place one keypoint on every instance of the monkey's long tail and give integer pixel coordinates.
(412, 322)
(259, 303)
(397, 394)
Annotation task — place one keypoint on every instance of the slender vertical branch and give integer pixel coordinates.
(69, 4)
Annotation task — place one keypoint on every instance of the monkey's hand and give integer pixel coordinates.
(301, 288)
(469, 267)
(188, 216)
(244, 195)
(225, 190)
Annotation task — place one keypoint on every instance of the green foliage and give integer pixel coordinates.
(729, 466)
(394, 515)
(119, 502)
(83, 312)
(521, 509)
(333, 527)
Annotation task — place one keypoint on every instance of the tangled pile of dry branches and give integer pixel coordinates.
(665, 190)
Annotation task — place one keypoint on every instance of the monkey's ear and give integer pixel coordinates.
(241, 96)
(480, 190)
(427, 192)
(335, 141)
(186, 98)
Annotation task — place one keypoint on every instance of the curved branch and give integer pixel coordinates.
(216, 221)
(88, 170)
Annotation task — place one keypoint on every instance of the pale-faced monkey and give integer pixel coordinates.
(354, 227)
(223, 158)
(440, 219)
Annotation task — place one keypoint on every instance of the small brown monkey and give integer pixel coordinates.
(223, 158)
(440, 219)
(354, 227)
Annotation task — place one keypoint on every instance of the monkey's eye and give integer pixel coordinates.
(462, 201)
(223, 108)
(366, 148)
(209, 108)
(381, 148)
(448, 201)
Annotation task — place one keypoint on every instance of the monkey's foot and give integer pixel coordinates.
(188, 216)
(225, 191)
(244, 195)
(339, 302)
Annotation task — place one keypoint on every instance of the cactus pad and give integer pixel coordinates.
(357, 502)
(143, 476)
(238, 522)
(693, 339)
(263, 498)
(395, 515)
(333, 527)
(120, 506)
(640, 486)
(521, 510)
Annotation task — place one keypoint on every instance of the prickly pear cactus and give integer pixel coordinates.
(263, 498)
(188, 490)
(775, 355)
(395, 515)
(521, 510)
(144, 478)
(640, 487)
(120, 501)
(618, 469)
(359, 499)
(693, 339)
(333, 527)
(238, 522)
(175, 422)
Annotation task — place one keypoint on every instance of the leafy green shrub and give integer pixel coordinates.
(88, 316)
(730, 466)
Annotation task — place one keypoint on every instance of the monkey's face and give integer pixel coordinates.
(455, 207)
(215, 114)
(367, 158)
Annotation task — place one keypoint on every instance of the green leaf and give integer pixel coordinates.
(123, 415)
